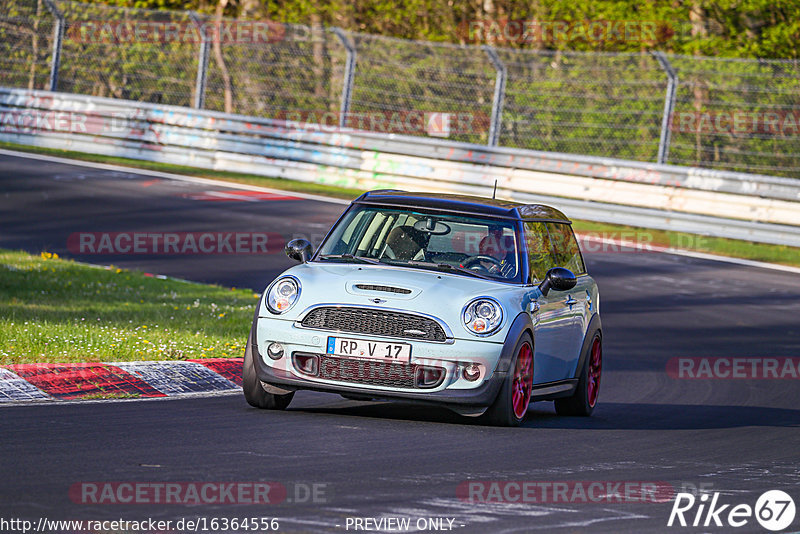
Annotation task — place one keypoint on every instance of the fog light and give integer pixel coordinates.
(429, 377)
(472, 372)
(307, 364)
(275, 351)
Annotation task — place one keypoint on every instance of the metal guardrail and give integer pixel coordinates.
(734, 205)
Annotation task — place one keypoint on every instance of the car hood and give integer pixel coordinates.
(440, 294)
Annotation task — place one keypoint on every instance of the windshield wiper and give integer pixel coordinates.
(362, 259)
(447, 266)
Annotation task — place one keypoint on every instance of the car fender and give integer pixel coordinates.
(521, 323)
(594, 326)
(258, 361)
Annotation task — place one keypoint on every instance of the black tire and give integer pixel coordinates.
(579, 404)
(253, 390)
(501, 412)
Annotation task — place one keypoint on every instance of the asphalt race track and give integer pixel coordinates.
(739, 437)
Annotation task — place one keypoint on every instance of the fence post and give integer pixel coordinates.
(499, 95)
(202, 64)
(669, 106)
(58, 38)
(349, 74)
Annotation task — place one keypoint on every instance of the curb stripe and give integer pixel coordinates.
(74, 381)
(15, 389)
(238, 196)
(172, 378)
(229, 368)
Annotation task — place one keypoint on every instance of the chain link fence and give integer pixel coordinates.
(97, 59)
(396, 77)
(26, 44)
(297, 69)
(728, 114)
(762, 96)
(594, 104)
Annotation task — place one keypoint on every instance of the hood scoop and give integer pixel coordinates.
(383, 288)
(373, 289)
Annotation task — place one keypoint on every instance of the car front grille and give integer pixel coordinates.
(367, 372)
(375, 322)
(377, 373)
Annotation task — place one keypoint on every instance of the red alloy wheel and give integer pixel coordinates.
(595, 369)
(523, 381)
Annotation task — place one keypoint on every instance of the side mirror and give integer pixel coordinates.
(557, 278)
(299, 250)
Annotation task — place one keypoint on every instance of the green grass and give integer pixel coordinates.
(712, 245)
(59, 311)
(110, 396)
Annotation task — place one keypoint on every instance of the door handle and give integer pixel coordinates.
(570, 301)
(535, 312)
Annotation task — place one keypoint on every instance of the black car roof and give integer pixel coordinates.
(464, 204)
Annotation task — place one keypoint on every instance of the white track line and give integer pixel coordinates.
(646, 247)
(61, 402)
(170, 176)
(320, 198)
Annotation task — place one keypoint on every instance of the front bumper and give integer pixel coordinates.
(454, 390)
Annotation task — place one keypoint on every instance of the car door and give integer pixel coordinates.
(551, 316)
(578, 299)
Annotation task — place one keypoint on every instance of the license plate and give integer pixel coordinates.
(373, 350)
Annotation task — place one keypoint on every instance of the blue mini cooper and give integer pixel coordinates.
(478, 305)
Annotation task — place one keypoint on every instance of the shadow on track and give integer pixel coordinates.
(624, 416)
(608, 416)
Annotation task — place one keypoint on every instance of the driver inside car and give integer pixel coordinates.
(500, 247)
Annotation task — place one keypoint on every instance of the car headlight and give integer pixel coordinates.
(482, 316)
(283, 294)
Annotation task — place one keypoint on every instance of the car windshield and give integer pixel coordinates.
(472, 246)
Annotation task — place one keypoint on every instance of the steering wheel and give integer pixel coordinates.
(497, 265)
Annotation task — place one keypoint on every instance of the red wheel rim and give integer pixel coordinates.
(595, 369)
(523, 381)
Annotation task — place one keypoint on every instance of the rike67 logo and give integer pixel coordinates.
(774, 510)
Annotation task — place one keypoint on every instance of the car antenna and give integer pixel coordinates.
(494, 193)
